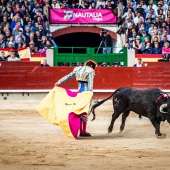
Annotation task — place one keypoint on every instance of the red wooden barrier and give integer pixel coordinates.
(19, 63)
(106, 77)
(156, 64)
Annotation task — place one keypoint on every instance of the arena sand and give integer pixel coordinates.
(29, 142)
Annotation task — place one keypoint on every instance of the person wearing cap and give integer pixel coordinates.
(139, 63)
(11, 45)
(84, 76)
(32, 48)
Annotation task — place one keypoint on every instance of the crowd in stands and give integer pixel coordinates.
(25, 23)
(147, 24)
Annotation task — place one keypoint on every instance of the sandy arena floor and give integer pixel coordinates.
(29, 142)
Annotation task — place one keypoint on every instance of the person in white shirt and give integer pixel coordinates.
(128, 13)
(136, 19)
(55, 4)
(13, 58)
(139, 63)
(153, 6)
(100, 2)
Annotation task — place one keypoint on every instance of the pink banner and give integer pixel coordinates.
(81, 16)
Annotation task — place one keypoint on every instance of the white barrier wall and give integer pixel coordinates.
(131, 57)
(50, 56)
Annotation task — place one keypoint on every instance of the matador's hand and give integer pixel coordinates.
(57, 83)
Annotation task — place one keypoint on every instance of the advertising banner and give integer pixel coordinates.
(82, 16)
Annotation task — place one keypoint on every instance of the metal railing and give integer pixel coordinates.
(71, 56)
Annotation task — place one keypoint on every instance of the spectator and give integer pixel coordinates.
(16, 30)
(136, 19)
(27, 33)
(166, 52)
(144, 6)
(2, 42)
(25, 5)
(19, 43)
(131, 39)
(7, 35)
(107, 41)
(156, 49)
(4, 22)
(155, 35)
(81, 5)
(161, 15)
(120, 9)
(147, 49)
(158, 23)
(38, 39)
(165, 33)
(33, 49)
(12, 57)
(144, 35)
(155, 40)
(116, 64)
(31, 39)
(100, 2)
(48, 45)
(13, 23)
(55, 4)
(139, 63)
(152, 6)
(125, 9)
(129, 13)
(162, 43)
(137, 45)
(2, 57)
(43, 41)
(109, 5)
(140, 10)
(41, 30)
(44, 63)
(11, 45)
(75, 5)
(20, 35)
(128, 22)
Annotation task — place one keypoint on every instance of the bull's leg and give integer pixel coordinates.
(124, 116)
(114, 117)
(156, 123)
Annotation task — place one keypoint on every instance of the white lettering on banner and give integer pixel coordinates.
(96, 16)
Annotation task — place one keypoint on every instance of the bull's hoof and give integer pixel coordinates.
(121, 129)
(162, 136)
(110, 129)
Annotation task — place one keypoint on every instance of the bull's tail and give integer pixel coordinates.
(101, 102)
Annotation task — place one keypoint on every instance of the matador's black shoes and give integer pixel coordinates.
(85, 135)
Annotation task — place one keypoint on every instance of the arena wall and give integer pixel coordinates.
(28, 80)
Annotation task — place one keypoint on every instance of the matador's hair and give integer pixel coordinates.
(91, 63)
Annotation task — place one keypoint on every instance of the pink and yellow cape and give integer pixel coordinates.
(63, 107)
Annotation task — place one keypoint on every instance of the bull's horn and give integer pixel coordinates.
(162, 107)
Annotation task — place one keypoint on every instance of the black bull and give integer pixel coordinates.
(151, 103)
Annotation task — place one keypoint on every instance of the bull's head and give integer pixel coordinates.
(165, 109)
